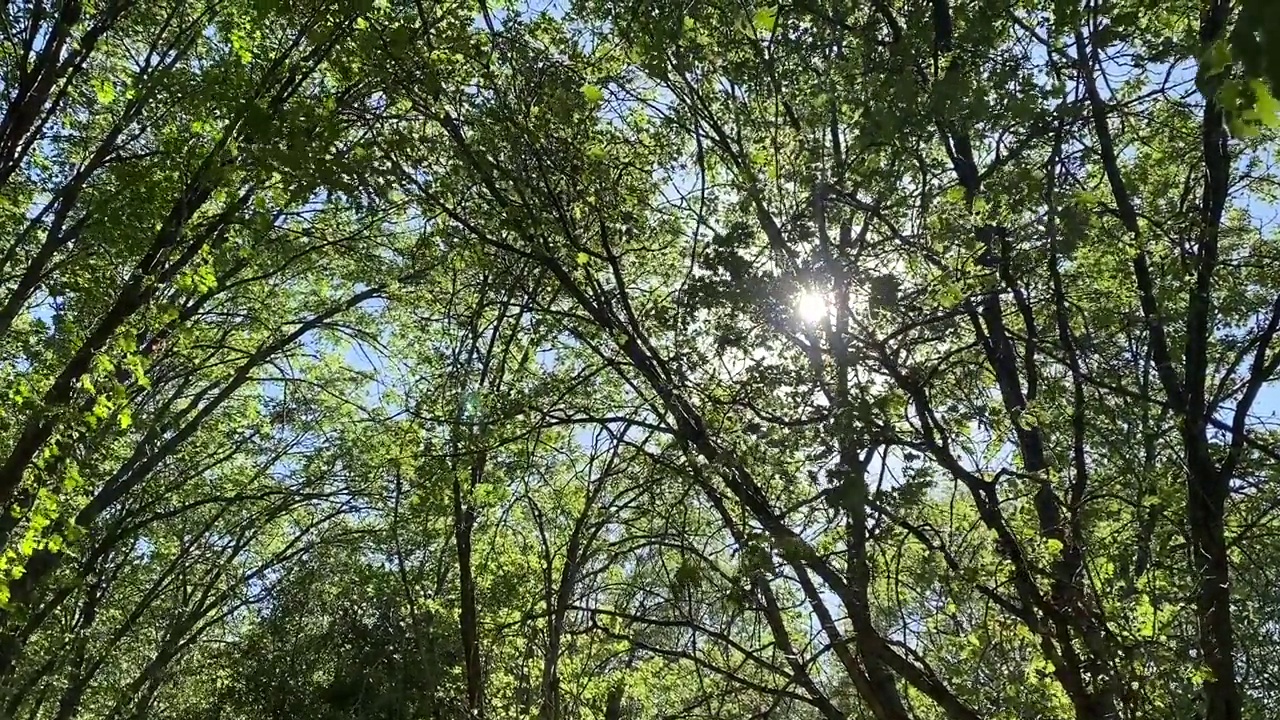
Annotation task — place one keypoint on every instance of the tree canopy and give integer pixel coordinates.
(604, 360)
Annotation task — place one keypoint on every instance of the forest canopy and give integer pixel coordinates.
(619, 360)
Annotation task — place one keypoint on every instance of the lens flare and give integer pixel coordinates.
(811, 307)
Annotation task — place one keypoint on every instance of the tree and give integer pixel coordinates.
(395, 359)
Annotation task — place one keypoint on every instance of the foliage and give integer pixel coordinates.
(420, 359)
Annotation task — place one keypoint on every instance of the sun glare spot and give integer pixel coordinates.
(811, 307)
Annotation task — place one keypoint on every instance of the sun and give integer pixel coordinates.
(811, 307)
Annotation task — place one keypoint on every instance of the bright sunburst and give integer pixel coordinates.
(811, 307)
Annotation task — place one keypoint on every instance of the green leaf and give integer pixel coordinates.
(104, 91)
(240, 46)
(1266, 108)
(1241, 128)
(765, 19)
(951, 296)
(583, 258)
(592, 93)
